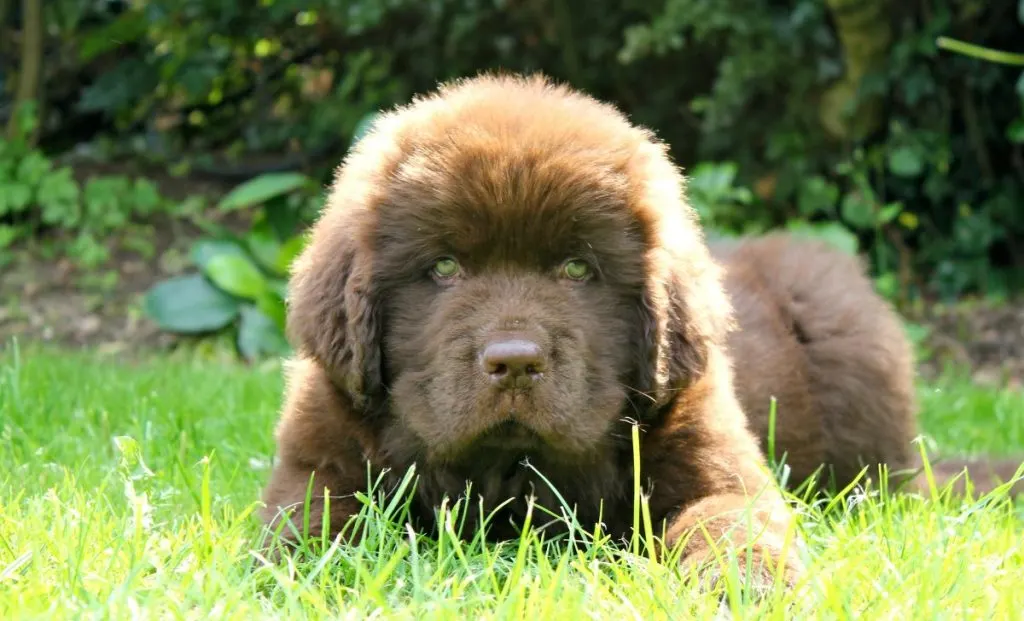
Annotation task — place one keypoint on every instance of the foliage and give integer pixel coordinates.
(931, 192)
(852, 116)
(241, 279)
(36, 195)
(839, 121)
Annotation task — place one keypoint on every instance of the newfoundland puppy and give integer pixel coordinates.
(507, 278)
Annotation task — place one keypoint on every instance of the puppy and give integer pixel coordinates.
(507, 271)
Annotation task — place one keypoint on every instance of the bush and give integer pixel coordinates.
(835, 112)
(241, 280)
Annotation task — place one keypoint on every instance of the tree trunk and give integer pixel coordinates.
(865, 32)
(31, 70)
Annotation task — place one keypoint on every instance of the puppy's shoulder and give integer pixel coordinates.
(316, 423)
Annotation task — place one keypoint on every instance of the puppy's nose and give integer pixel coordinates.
(513, 363)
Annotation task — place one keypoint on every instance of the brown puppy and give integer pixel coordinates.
(813, 333)
(508, 269)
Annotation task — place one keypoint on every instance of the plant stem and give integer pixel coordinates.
(977, 51)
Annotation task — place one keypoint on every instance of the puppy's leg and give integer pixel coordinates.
(303, 502)
(755, 530)
(711, 484)
(321, 461)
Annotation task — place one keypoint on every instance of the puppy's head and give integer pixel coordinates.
(507, 266)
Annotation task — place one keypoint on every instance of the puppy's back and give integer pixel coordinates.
(813, 333)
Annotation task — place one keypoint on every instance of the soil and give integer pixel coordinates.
(47, 298)
(982, 336)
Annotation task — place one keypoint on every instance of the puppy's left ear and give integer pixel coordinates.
(684, 313)
(684, 317)
(334, 310)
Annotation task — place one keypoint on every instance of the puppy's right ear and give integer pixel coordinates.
(333, 311)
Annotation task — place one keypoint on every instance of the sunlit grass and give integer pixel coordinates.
(127, 490)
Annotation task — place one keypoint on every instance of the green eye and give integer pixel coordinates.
(576, 269)
(446, 267)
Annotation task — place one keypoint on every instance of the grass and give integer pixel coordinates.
(127, 490)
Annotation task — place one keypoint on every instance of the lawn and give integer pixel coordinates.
(127, 490)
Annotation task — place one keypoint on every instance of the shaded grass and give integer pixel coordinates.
(127, 490)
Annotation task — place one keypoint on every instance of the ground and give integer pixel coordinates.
(48, 296)
(127, 490)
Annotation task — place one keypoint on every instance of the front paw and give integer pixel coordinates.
(750, 574)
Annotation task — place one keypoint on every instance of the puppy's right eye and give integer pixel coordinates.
(446, 268)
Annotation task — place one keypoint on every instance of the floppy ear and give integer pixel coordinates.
(683, 316)
(684, 313)
(334, 313)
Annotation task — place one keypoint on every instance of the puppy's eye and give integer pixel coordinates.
(445, 268)
(576, 269)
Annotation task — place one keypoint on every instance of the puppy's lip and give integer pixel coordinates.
(509, 434)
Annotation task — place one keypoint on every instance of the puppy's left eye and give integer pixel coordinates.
(446, 268)
(576, 269)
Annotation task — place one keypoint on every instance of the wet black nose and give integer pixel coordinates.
(513, 363)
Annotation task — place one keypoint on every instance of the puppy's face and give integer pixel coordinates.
(506, 268)
(511, 286)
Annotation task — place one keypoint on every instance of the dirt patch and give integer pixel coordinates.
(52, 301)
(45, 297)
(49, 299)
(984, 336)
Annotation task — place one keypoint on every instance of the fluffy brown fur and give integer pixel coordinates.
(813, 334)
(401, 363)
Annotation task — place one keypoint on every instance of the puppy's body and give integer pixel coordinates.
(507, 270)
(813, 333)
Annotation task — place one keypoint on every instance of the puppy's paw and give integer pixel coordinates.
(753, 575)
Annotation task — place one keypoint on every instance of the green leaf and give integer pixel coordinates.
(817, 195)
(33, 168)
(206, 249)
(1015, 132)
(128, 27)
(282, 217)
(262, 189)
(237, 275)
(832, 233)
(8, 234)
(715, 179)
(58, 198)
(190, 305)
(25, 121)
(16, 197)
(890, 212)
(272, 305)
(104, 200)
(279, 287)
(264, 246)
(857, 211)
(906, 162)
(887, 285)
(145, 197)
(290, 250)
(259, 335)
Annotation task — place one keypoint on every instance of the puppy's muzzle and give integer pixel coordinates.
(513, 362)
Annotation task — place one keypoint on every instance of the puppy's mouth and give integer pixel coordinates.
(509, 435)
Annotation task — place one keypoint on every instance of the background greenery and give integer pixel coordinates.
(840, 118)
